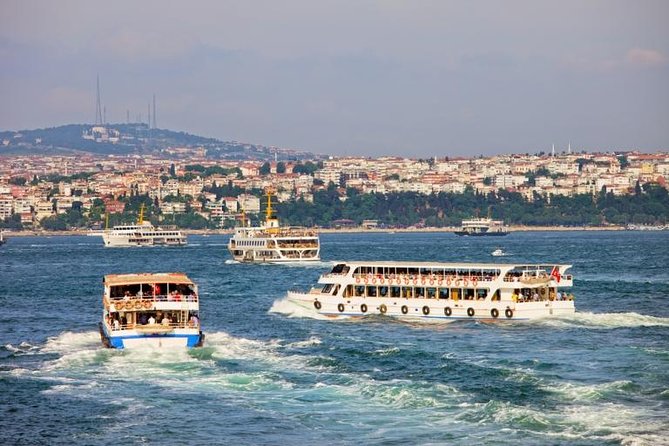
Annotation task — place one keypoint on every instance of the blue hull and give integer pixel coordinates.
(117, 341)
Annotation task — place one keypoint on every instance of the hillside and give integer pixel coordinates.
(122, 139)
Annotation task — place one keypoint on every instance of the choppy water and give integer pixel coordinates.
(272, 375)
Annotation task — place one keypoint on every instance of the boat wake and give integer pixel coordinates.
(293, 310)
(607, 320)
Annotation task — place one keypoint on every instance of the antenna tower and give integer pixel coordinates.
(154, 110)
(98, 106)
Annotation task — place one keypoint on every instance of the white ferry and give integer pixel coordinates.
(159, 310)
(482, 227)
(441, 291)
(142, 234)
(271, 243)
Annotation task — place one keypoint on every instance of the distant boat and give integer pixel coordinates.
(2, 239)
(482, 227)
(272, 243)
(141, 234)
(498, 253)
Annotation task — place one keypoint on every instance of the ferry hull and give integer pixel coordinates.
(133, 339)
(430, 309)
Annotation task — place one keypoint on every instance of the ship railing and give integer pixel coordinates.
(421, 279)
(171, 325)
(156, 298)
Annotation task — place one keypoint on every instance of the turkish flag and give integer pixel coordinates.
(556, 274)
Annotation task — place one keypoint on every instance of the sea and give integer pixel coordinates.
(274, 374)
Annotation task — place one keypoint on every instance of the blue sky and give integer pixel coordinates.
(412, 78)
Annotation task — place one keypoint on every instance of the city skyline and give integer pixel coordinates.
(352, 78)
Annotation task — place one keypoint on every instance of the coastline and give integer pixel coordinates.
(27, 233)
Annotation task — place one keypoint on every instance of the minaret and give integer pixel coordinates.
(553, 151)
(154, 111)
(569, 148)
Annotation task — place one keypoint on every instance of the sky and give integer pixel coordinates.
(401, 78)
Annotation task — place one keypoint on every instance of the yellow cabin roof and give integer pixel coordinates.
(134, 279)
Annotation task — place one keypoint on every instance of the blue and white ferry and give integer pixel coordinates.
(441, 291)
(150, 309)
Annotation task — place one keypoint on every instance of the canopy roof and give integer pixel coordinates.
(134, 279)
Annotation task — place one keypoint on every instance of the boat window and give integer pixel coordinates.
(336, 290)
(348, 292)
(443, 293)
(339, 268)
(468, 293)
(359, 290)
(481, 293)
(327, 288)
(430, 293)
(371, 291)
(383, 291)
(496, 296)
(394, 291)
(407, 291)
(420, 292)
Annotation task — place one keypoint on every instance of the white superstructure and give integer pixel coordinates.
(142, 234)
(272, 243)
(482, 227)
(441, 291)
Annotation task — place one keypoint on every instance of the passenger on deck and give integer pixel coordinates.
(166, 320)
(152, 320)
(559, 295)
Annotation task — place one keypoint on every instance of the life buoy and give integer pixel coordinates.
(440, 282)
(357, 279)
(456, 282)
(422, 281)
(465, 282)
(383, 309)
(448, 311)
(406, 281)
(373, 280)
(431, 281)
(415, 281)
(138, 305)
(363, 308)
(148, 304)
(382, 281)
(398, 281)
(474, 282)
(340, 307)
(426, 310)
(317, 305)
(470, 312)
(118, 305)
(366, 280)
(404, 309)
(508, 313)
(448, 281)
(494, 313)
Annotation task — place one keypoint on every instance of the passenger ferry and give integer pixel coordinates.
(441, 291)
(271, 243)
(151, 309)
(482, 226)
(142, 234)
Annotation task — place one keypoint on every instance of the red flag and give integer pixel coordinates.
(556, 274)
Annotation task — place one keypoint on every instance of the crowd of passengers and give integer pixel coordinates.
(439, 274)
(159, 292)
(169, 319)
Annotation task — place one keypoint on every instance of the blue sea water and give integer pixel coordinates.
(270, 373)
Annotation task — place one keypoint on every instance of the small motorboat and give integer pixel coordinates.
(498, 253)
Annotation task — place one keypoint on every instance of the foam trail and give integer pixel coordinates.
(291, 309)
(608, 320)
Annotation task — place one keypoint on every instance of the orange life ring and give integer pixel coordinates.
(406, 281)
(431, 281)
(440, 282)
(118, 305)
(456, 282)
(448, 281)
(474, 281)
(138, 305)
(357, 279)
(422, 281)
(373, 280)
(382, 281)
(465, 282)
(148, 304)
(398, 281)
(366, 280)
(415, 281)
